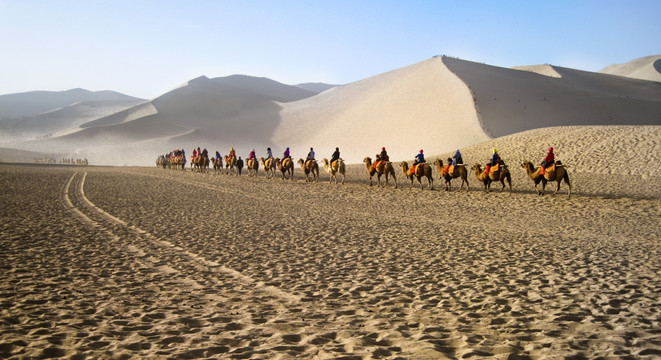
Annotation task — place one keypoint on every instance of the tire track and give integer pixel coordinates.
(189, 258)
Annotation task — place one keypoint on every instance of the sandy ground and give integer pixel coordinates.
(152, 263)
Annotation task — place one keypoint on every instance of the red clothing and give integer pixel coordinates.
(549, 158)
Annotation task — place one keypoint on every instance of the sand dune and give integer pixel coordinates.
(510, 101)
(404, 110)
(437, 105)
(645, 68)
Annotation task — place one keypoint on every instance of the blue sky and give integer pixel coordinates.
(145, 48)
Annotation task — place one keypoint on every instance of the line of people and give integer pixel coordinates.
(419, 158)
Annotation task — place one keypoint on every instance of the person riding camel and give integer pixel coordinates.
(232, 153)
(456, 159)
(205, 153)
(286, 154)
(310, 156)
(495, 159)
(382, 157)
(419, 159)
(251, 157)
(217, 155)
(194, 153)
(549, 159)
(335, 156)
(269, 155)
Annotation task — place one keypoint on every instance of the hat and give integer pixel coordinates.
(494, 150)
(383, 148)
(337, 148)
(421, 151)
(310, 148)
(550, 149)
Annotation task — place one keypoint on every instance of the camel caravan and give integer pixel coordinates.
(495, 170)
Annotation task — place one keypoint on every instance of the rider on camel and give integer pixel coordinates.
(549, 159)
(232, 153)
(456, 159)
(269, 155)
(310, 156)
(495, 159)
(419, 158)
(382, 157)
(251, 155)
(335, 156)
(286, 154)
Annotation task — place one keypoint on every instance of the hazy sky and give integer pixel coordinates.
(145, 48)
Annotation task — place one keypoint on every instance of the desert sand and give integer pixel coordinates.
(130, 262)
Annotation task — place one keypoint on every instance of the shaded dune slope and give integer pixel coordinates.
(511, 101)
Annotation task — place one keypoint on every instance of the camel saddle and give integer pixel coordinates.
(494, 168)
(333, 164)
(548, 169)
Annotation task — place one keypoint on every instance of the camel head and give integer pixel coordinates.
(367, 160)
(528, 166)
(477, 167)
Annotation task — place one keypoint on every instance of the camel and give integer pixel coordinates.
(310, 167)
(202, 163)
(286, 166)
(421, 170)
(218, 165)
(555, 172)
(269, 166)
(230, 165)
(501, 173)
(253, 167)
(161, 161)
(458, 171)
(383, 168)
(337, 167)
(176, 161)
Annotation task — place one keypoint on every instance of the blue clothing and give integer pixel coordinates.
(420, 158)
(268, 153)
(495, 159)
(456, 158)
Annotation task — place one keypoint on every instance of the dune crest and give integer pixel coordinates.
(644, 68)
(546, 70)
(422, 106)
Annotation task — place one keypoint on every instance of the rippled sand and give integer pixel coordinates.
(152, 263)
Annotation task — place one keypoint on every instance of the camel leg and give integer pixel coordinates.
(557, 188)
(566, 178)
